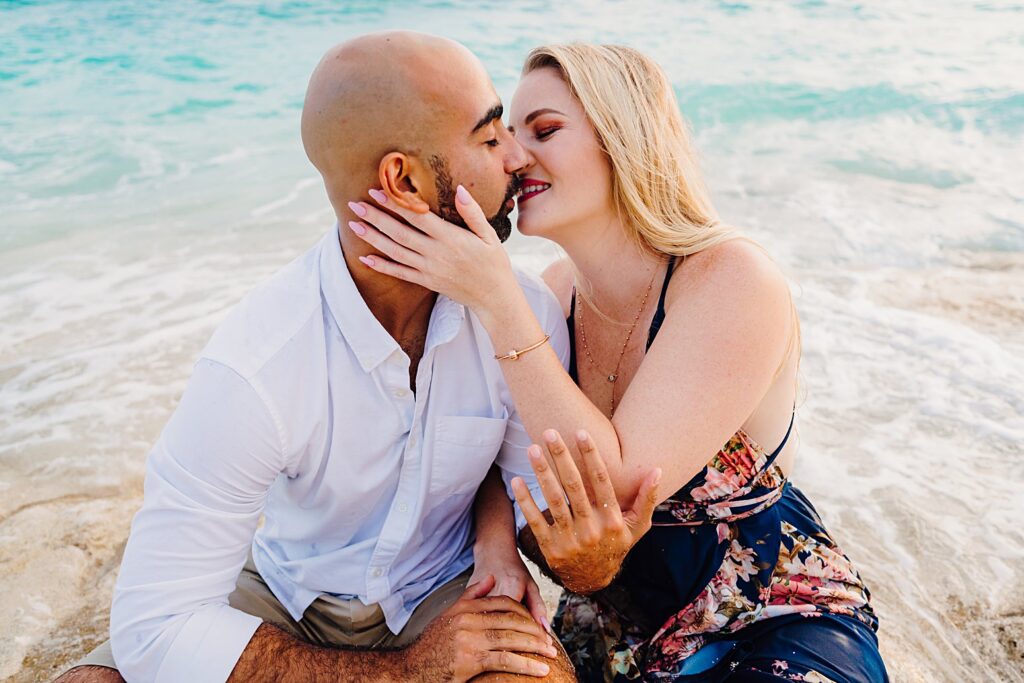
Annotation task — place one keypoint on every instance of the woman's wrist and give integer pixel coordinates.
(496, 546)
(509, 320)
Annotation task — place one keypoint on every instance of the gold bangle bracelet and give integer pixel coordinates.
(515, 355)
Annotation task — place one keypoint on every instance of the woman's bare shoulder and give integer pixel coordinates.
(559, 276)
(737, 264)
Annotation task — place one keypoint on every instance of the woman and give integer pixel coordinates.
(685, 338)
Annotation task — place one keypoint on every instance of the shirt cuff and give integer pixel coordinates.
(208, 646)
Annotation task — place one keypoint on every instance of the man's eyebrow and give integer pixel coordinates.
(538, 112)
(495, 112)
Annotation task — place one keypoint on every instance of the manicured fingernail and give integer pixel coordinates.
(546, 625)
(357, 228)
(379, 196)
(582, 435)
(366, 260)
(657, 475)
(535, 452)
(462, 194)
(551, 436)
(357, 209)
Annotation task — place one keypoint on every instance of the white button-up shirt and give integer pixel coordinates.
(300, 408)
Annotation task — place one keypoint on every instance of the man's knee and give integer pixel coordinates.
(561, 672)
(90, 674)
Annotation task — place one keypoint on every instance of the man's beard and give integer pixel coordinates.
(446, 199)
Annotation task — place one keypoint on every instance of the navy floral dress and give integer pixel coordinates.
(737, 560)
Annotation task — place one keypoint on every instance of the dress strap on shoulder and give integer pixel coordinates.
(659, 314)
(571, 324)
(785, 439)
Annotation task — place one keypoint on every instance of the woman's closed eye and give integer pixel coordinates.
(545, 133)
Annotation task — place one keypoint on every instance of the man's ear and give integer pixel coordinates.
(403, 179)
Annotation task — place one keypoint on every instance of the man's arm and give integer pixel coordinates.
(206, 483)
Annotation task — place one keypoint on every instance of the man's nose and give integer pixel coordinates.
(517, 159)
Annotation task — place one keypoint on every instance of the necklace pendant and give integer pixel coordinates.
(612, 378)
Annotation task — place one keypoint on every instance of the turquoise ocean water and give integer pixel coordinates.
(151, 173)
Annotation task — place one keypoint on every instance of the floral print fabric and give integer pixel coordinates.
(736, 546)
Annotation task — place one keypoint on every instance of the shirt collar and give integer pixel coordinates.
(365, 335)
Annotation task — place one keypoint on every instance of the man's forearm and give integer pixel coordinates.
(273, 655)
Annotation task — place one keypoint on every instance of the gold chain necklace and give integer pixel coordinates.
(613, 376)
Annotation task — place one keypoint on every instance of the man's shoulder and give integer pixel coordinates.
(538, 294)
(270, 317)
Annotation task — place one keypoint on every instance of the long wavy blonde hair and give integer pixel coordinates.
(657, 186)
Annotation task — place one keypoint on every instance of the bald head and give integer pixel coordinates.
(380, 93)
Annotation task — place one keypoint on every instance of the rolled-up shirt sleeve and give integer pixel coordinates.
(206, 484)
(512, 459)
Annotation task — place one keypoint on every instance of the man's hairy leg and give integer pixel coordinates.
(477, 634)
(90, 674)
(273, 655)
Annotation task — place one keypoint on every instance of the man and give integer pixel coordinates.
(360, 415)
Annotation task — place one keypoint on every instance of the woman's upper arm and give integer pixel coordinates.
(559, 277)
(725, 332)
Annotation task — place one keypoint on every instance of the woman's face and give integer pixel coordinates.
(567, 180)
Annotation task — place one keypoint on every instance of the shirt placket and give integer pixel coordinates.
(398, 523)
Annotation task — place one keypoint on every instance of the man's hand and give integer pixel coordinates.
(590, 535)
(479, 634)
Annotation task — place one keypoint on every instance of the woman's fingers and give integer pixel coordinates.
(427, 222)
(405, 235)
(479, 589)
(534, 517)
(397, 270)
(535, 603)
(597, 475)
(553, 493)
(568, 474)
(474, 216)
(385, 245)
(638, 517)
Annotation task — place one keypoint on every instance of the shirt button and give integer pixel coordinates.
(377, 571)
(401, 393)
(403, 508)
(412, 440)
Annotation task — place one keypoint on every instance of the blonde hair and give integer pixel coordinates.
(657, 187)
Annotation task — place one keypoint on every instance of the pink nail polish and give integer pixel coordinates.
(545, 624)
(357, 228)
(366, 260)
(462, 194)
(379, 196)
(357, 209)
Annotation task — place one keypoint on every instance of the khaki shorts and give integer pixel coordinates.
(328, 621)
